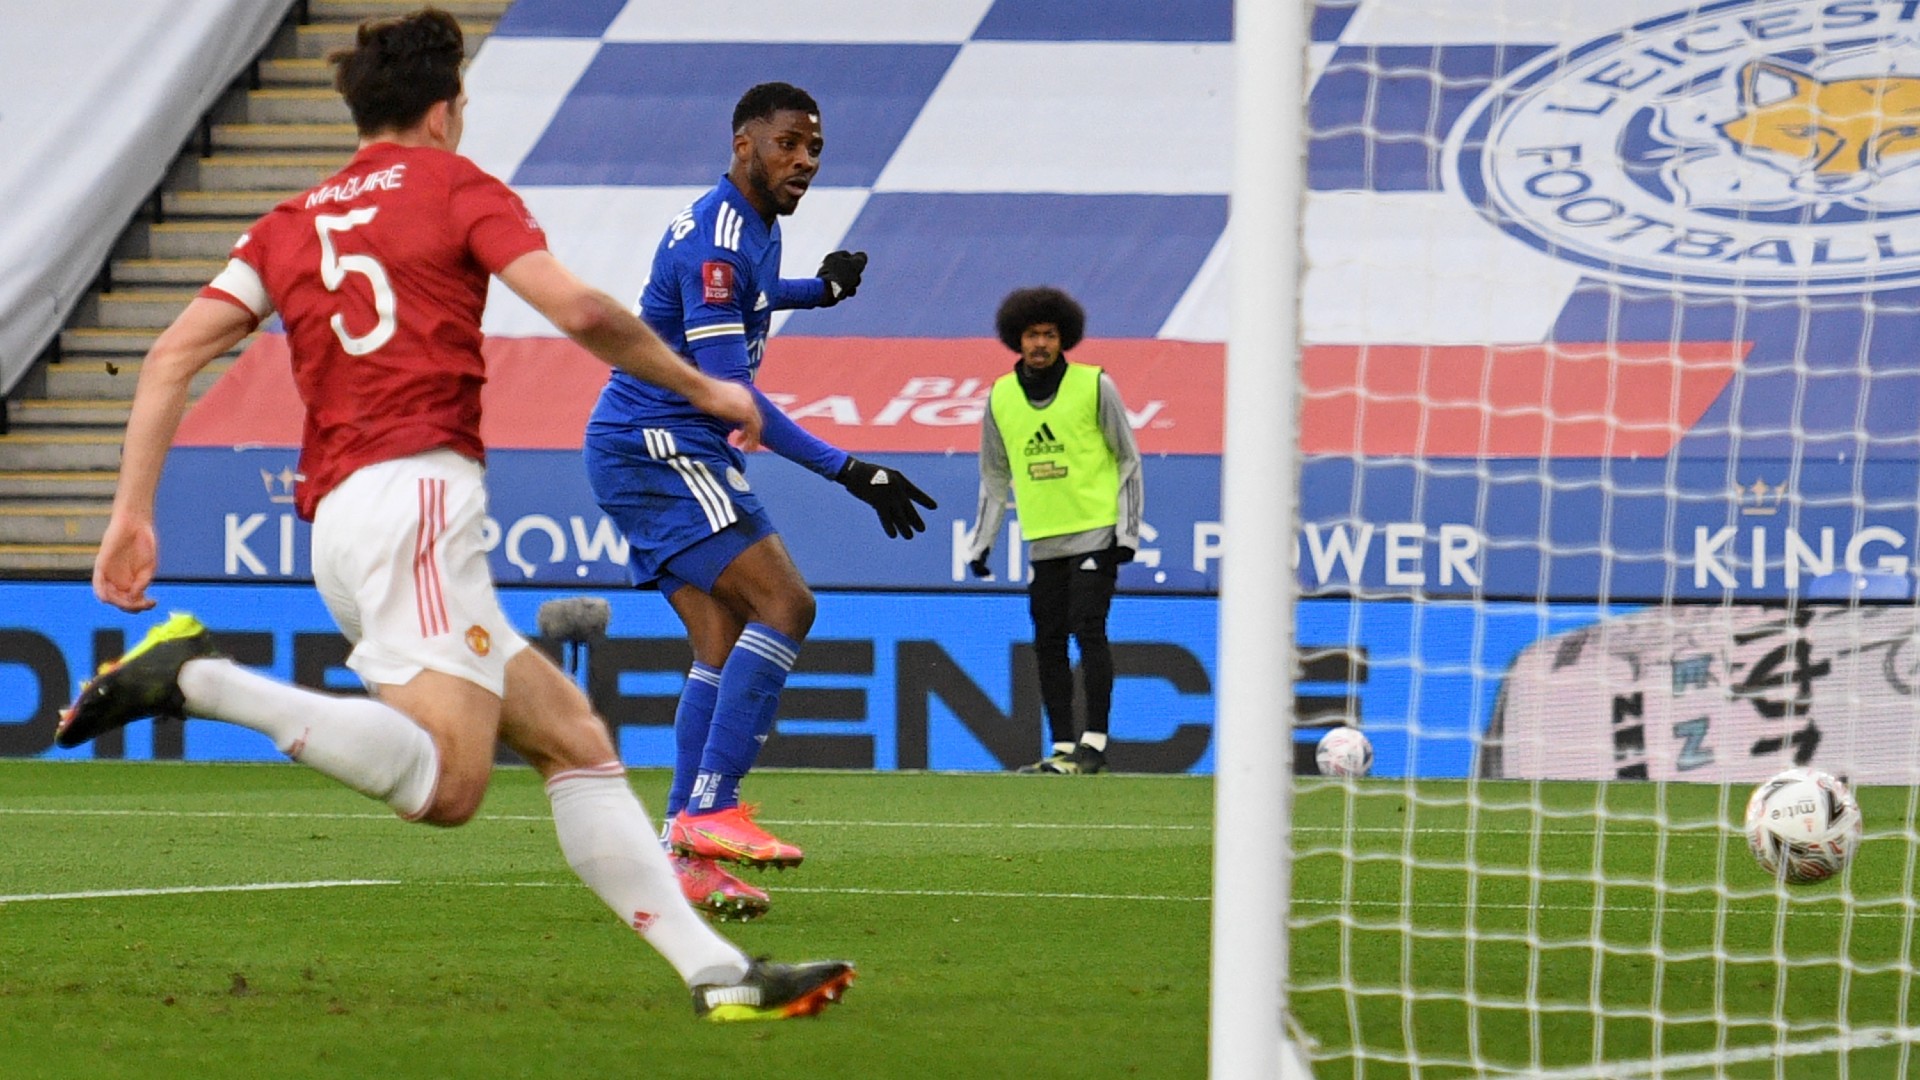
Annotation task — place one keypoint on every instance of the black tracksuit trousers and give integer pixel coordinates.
(1068, 600)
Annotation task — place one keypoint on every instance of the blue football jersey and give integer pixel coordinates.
(716, 276)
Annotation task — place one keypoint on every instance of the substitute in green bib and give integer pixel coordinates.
(1055, 436)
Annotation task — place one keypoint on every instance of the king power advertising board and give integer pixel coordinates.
(1631, 528)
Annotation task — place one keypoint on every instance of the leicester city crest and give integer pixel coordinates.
(1750, 145)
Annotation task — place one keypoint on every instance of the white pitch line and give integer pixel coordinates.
(1707, 829)
(824, 823)
(1076, 826)
(992, 895)
(783, 890)
(977, 894)
(38, 811)
(182, 890)
(842, 823)
(1862, 1039)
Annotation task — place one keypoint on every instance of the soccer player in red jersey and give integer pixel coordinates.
(380, 275)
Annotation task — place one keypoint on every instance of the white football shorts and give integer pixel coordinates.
(399, 559)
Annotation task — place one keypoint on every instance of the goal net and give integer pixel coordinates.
(1610, 426)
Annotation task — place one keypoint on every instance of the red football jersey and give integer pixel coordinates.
(380, 274)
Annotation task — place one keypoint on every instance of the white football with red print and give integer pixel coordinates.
(1344, 752)
(1803, 825)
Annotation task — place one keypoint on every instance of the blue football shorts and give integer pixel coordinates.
(680, 497)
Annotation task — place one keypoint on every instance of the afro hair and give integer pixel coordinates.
(1043, 304)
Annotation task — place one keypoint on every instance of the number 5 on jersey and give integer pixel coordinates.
(334, 269)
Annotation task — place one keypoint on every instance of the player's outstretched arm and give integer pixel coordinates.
(891, 495)
(889, 492)
(617, 336)
(128, 550)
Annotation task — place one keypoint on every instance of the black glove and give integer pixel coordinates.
(841, 271)
(1118, 554)
(979, 566)
(890, 494)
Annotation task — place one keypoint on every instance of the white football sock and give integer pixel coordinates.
(1095, 739)
(606, 838)
(372, 748)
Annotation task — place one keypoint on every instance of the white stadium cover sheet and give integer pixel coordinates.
(96, 99)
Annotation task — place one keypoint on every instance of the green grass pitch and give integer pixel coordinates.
(994, 934)
(1004, 926)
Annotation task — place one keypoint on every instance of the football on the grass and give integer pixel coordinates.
(1344, 752)
(1803, 825)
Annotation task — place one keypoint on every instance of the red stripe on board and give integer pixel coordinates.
(1560, 400)
(860, 394)
(925, 395)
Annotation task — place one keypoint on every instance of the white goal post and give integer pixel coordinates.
(1253, 738)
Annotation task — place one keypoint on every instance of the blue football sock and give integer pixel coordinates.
(691, 723)
(750, 684)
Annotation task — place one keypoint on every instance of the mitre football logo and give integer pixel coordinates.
(1751, 145)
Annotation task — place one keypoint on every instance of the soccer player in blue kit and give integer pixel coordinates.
(665, 473)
